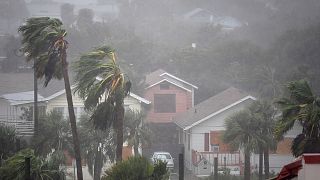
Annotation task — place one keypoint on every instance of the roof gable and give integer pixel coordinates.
(160, 75)
(211, 107)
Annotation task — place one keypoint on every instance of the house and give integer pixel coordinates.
(203, 16)
(306, 167)
(169, 96)
(11, 105)
(16, 110)
(201, 127)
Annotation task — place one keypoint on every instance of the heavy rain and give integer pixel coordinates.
(159, 89)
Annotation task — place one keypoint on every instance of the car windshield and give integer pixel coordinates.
(163, 156)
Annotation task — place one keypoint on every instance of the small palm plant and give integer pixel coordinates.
(43, 41)
(103, 86)
(242, 132)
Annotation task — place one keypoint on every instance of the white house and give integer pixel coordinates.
(11, 106)
(200, 129)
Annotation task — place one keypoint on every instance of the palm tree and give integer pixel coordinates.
(264, 113)
(301, 106)
(103, 86)
(241, 132)
(43, 41)
(97, 146)
(136, 132)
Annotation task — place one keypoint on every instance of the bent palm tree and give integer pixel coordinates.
(304, 107)
(43, 41)
(241, 133)
(102, 85)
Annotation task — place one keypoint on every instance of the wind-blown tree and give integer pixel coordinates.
(103, 86)
(301, 106)
(136, 132)
(54, 134)
(43, 41)
(97, 146)
(264, 113)
(241, 132)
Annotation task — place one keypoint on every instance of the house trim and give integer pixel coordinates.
(178, 79)
(219, 111)
(140, 99)
(169, 82)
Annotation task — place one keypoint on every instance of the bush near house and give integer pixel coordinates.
(137, 168)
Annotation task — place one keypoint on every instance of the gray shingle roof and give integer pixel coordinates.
(210, 106)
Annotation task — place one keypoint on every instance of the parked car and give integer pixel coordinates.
(163, 156)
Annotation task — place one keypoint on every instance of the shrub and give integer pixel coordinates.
(14, 167)
(137, 168)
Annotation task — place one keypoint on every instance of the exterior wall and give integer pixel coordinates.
(183, 102)
(284, 146)
(215, 138)
(7, 112)
(61, 101)
(276, 161)
(215, 123)
(309, 171)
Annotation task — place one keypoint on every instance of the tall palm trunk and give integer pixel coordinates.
(246, 164)
(72, 116)
(135, 147)
(266, 162)
(260, 162)
(97, 164)
(119, 126)
(35, 106)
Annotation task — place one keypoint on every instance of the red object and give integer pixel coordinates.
(291, 170)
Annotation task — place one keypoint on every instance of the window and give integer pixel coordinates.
(59, 109)
(164, 85)
(215, 148)
(164, 103)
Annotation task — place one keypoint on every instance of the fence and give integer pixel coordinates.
(23, 128)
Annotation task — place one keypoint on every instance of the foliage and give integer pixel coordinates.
(301, 106)
(41, 169)
(137, 168)
(160, 171)
(7, 141)
(90, 140)
(103, 86)
(135, 131)
(42, 41)
(54, 134)
(242, 131)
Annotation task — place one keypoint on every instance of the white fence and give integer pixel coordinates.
(23, 128)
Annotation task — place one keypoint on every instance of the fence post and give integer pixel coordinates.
(215, 165)
(27, 168)
(181, 164)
